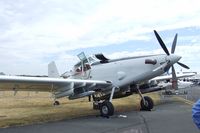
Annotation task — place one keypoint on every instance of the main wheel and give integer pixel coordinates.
(147, 105)
(106, 109)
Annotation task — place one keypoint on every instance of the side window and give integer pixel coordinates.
(86, 67)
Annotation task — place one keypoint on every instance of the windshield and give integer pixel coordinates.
(92, 59)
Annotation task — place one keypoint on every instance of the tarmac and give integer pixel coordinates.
(172, 116)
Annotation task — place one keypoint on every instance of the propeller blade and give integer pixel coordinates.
(183, 65)
(174, 79)
(161, 43)
(174, 44)
(173, 73)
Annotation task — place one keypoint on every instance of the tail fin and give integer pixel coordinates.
(52, 70)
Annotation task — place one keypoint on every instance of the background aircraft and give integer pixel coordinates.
(195, 79)
(165, 82)
(101, 78)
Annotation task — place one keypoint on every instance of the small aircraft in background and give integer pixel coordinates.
(181, 89)
(165, 82)
(195, 79)
(101, 78)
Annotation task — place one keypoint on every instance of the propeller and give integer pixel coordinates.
(183, 65)
(174, 79)
(162, 44)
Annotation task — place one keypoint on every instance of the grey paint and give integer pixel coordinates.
(131, 70)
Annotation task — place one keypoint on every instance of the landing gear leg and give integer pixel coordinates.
(89, 98)
(56, 103)
(146, 102)
(54, 97)
(106, 107)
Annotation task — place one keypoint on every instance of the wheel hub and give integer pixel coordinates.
(105, 110)
(146, 103)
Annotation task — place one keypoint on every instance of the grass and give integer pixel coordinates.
(28, 107)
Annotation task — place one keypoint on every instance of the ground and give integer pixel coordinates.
(30, 107)
(172, 114)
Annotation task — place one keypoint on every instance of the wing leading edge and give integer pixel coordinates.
(75, 88)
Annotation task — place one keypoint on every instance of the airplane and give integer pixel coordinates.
(102, 78)
(166, 80)
(166, 83)
(195, 79)
(180, 85)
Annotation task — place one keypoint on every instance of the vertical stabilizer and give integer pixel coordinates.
(52, 70)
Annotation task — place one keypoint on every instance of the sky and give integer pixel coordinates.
(34, 32)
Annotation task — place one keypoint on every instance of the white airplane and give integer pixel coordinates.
(165, 82)
(182, 87)
(195, 79)
(102, 78)
(181, 84)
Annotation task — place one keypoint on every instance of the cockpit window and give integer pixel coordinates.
(92, 60)
(79, 68)
(87, 66)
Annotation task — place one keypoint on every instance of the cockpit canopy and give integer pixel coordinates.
(85, 64)
(81, 67)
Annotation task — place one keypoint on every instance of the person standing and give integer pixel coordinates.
(196, 113)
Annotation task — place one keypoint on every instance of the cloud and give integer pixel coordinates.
(33, 32)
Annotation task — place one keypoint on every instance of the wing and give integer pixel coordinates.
(74, 88)
(167, 77)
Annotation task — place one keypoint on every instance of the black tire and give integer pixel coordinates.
(106, 109)
(149, 104)
(56, 103)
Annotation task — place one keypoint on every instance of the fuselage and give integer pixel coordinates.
(124, 72)
(131, 70)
